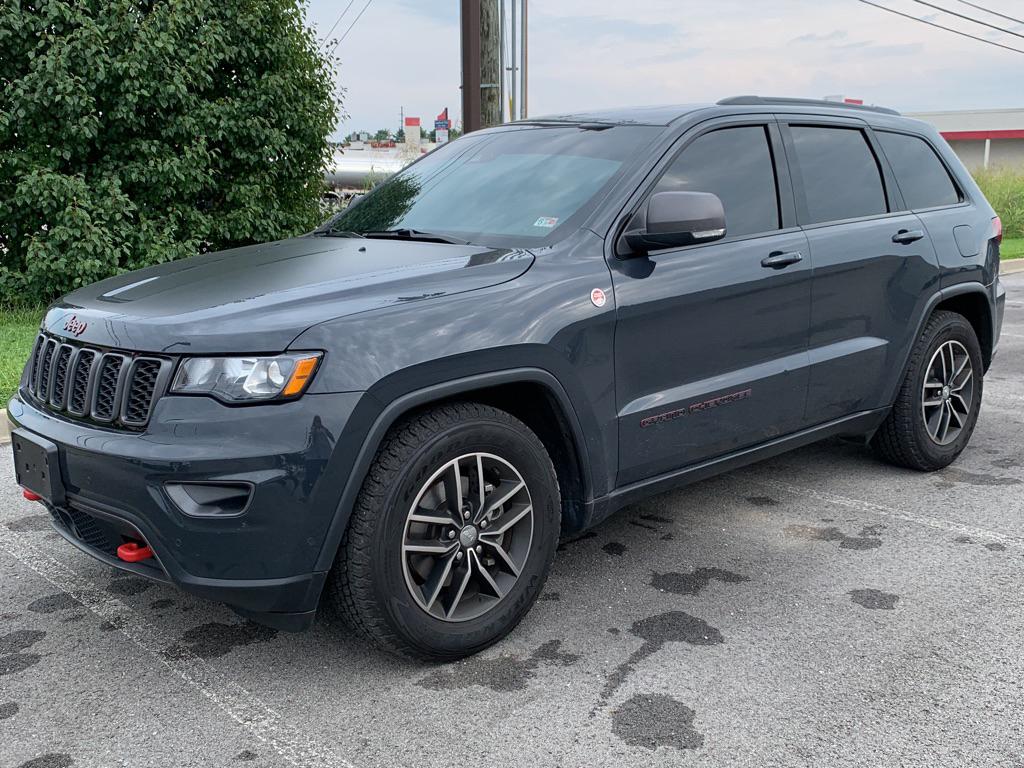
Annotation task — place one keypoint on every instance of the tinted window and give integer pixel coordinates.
(840, 173)
(513, 187)
(922, 177)
(736, 165)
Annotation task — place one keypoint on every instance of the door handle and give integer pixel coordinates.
(908, 236)
(779, 259)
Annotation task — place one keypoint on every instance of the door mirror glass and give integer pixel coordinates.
(675, 219)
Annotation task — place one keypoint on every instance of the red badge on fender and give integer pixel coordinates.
(598, 298)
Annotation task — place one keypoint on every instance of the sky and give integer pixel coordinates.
(588, 54)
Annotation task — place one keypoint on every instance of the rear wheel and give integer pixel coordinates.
(939, 401)
(452, 535)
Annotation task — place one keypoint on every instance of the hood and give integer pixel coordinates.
(259, 298)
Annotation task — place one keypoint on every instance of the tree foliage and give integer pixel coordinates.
(134, 132)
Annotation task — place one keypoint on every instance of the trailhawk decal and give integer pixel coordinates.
(661, 418)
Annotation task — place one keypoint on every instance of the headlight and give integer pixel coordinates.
(246, 379)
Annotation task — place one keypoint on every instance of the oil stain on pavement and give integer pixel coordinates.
(868, 538)
(51, 760)
(12, 645)
(992, 546)
(952, 474)
(504, 674)
(656, 631)
(655, 720)
(8, 710)
(693, 583)
(111, 625)
(61, 601)
(615, 548)
(873, 599)
(657, 518)
(215, 639)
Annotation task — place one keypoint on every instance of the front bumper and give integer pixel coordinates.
(262, 562)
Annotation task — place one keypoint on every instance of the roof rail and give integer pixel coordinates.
(768, 101)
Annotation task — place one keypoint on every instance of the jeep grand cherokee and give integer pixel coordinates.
(401, 412)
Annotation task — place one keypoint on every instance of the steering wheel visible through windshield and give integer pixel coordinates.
(514, 187)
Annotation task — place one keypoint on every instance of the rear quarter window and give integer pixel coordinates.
(922, 178)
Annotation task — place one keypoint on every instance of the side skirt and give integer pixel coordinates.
(863, 423)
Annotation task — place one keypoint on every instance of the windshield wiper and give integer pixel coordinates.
(331, 232)
(415, 234)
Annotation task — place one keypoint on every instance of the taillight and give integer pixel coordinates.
(997, 229)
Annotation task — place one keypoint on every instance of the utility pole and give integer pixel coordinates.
(513, 102)
(481, 64)
(522, 72)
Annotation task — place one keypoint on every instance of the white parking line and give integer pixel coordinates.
(240, 705)
(884, 510)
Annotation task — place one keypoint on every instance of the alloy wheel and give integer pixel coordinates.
(948, 392)
(467, 537)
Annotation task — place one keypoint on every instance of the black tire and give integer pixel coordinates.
(903, 439)
(368, 584)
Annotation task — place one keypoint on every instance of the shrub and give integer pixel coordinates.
(134, 132)
(1004, 188)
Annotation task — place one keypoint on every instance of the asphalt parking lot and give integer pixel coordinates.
(818, 609)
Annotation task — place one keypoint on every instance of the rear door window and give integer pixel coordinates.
(923, 179)
(735, 164)
(840, 173)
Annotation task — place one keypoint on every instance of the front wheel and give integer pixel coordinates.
(939, 401)
(452, 535)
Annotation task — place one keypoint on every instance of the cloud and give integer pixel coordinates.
(592, 28)
(813, 37)
(599, 53)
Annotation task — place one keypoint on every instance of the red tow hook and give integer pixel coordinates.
(133, 552)
(30, 495)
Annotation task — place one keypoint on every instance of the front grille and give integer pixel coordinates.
(105, 403)
(143, 377)
(109, 386)
(60, 376)
(80, 377)
(43, 383)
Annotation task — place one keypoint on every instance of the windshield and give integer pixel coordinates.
(513, 187)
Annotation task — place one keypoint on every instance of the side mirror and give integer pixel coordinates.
(675, 219)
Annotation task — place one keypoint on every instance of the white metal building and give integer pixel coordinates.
(984, 138)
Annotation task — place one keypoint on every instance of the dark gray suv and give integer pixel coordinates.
(525, 330)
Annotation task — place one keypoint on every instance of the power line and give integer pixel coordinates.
(969, 18)
(994, 13)
(337, 21)
(350, 26)
(939, 26)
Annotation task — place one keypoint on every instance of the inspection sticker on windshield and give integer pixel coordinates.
(546, 221)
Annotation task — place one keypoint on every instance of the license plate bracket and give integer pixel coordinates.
(37, 466)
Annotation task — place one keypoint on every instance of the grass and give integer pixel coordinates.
(1012, 248)
(1004, 188)
(18, 328)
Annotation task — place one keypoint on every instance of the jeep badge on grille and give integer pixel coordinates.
(74, 326)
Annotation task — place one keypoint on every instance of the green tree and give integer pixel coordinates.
(382, 135)
(134, 132)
